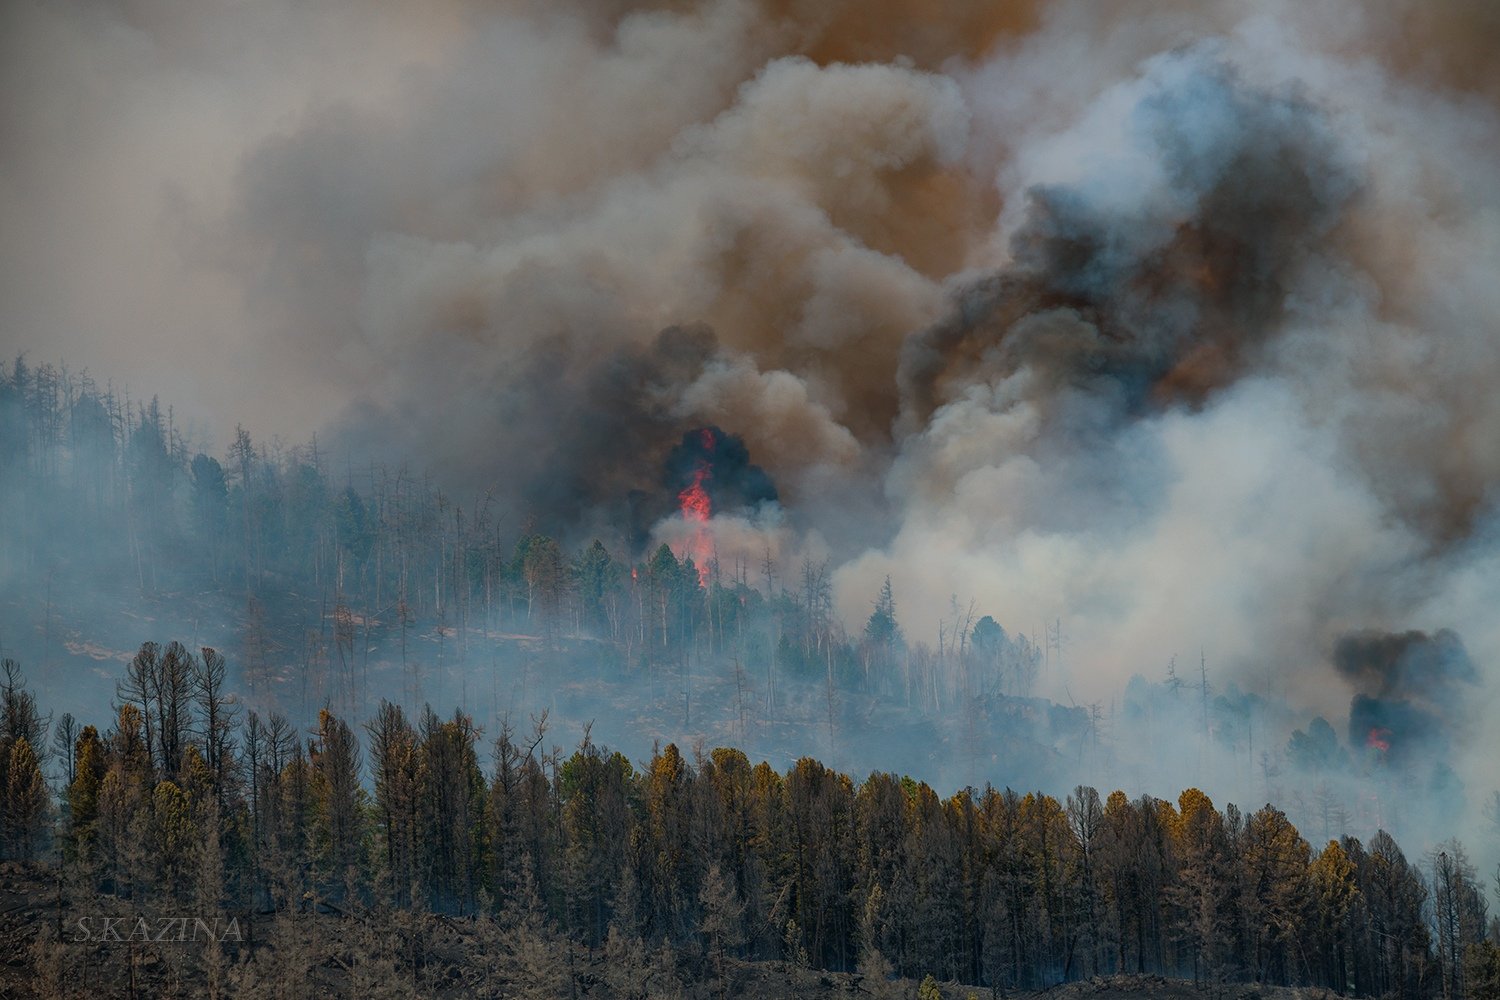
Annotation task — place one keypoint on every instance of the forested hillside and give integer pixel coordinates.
(104, 495)
(341, 841)
(327, 584)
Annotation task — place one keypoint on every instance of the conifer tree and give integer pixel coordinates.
(26, 801)
(339, 829)
(90, 763)
(722, 912)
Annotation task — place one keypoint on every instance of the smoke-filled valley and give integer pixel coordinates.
(1029, 394)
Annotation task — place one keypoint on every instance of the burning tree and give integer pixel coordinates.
(710, 473)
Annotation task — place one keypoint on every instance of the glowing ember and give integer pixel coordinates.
(1379, 739)
(697, 508)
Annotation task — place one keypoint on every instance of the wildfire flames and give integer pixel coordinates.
(709, 475)
(697, 507)
(1379, 739)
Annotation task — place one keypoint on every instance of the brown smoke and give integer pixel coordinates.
(1447, 43)
(927, 32)
(1160, 307)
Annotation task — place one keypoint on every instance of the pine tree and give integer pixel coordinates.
(20, 720)
(881, 630)
(1335, 893)
(451, 795)
(174, 836)
(627, 965)
(875, 975)
(597, 575)
(64, 744)
(1201, 893)
(25, 802)
(83, 791)
(339, 831)
(531, 967)
(1274, 859)
(394, 762)
(720, 924)
(216, 718)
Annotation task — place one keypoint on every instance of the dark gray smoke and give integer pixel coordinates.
(1414, 665)
(579, 439)
(1410, 689)
(718, 463)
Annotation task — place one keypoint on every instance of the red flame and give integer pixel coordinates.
(1379, 739)
(697, 507)
(694, 501)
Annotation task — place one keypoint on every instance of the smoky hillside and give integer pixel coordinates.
(1037, 393)
(343, 589)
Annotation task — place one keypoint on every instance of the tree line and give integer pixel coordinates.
(186, 799)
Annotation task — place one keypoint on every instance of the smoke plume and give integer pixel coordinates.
(1409, 690)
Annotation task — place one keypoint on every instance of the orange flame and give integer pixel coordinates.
(694, 501)
(697, 507)
(1379, 739)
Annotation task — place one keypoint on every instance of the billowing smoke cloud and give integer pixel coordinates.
(1153, 277)
(1177, 328)
(1411, 665)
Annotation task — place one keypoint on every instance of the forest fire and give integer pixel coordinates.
(697, 506)
(694, 500)
(1409, 690)
(709, 474)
